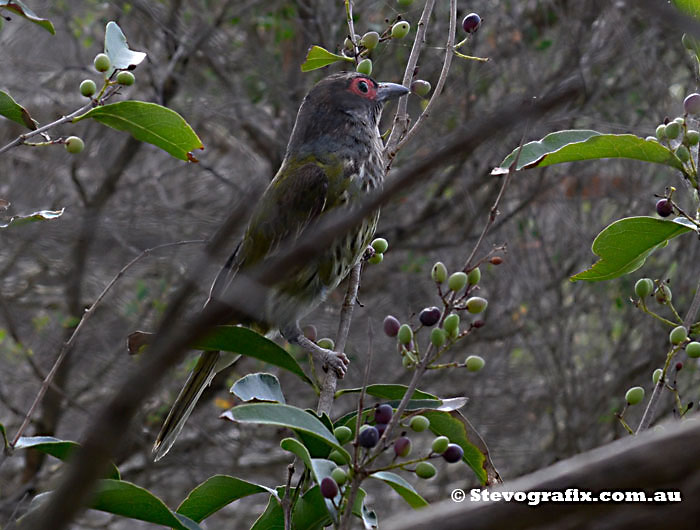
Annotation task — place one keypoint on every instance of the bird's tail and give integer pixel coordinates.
(199, 379)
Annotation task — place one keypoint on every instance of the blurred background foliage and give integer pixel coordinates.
(559, 355)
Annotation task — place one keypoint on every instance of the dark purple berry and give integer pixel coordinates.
(391, 326)
(402, 446)
(679, 366)
(383, 413)
(429, 316)
(664, 208)
(381, 427)
(369, 436)
(329, 488)
(471, 23)
(453, 453)
(478, 324)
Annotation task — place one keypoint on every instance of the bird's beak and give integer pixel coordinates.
(388, 91)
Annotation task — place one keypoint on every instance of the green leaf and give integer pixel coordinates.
(310, 511)
(319, 57)
(247, 342)
(215, 493)
(298, 449)
(284, 416)
(272, 518)
(41, 215)
(117, 49)
(689, 7)
(20, 8)
(61, 449)
(573, 145)
(625, 245)
(402, 487)
(129, 500)
(15, 112)
(387, 392)
(150, 123)
(260, 386)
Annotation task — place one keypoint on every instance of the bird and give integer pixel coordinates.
(333, 160)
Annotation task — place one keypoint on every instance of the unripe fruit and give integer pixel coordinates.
(643, 287)
(661, 132)
(329, 488)
(102, 62)
(453, 453)
(400, 30)
(402, 446)
(405, 334)
(438, 337)
(420, 87)
(634, 395)
(471, 23)
(693, 349)
(364, 67)
(440, 444)
(74, 145)
(429, 316)
(380, 245)
(347, 44)
(682, 153)
(419, 423)
(326, 343)
(673, 129)
(310, 332)
(339, 475)
(457, 281)
(383, 413)
(369, 436)
(343, 434)
(370, 40)
(391, 325)
(691, 104)
(451, 324)
(407, 362)
(125, 78)
(88, 88)
(439, 272)
(474, 363)
(376, 259)
(663, 295)
(337, 457)
(476, 305)
(425, 470)
(678, 335)
(692, 137)
(679, 120)
(474, 276)
(664, 207)
(656, 375)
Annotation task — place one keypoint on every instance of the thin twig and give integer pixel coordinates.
(287, 500)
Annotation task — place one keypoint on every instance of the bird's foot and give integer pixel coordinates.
(336, 361)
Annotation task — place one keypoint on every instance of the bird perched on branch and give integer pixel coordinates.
(333, 160)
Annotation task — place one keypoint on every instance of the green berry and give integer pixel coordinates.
(343, 434)
(407, 362)
(425, 470)
(419, 423)
(326, 343)
(364, 67)
(693, 349)
(438, 337)
(88, 88)
(474, 276)
(661, 132)
(421, 88)
(474, 363)
(476, 305)
(102, 62)
(380, 245)
(457, 281)
(400, 30)
(682, 153)
(439, 272)
(451, 324)
(405, 334)
(678, 335)
(125, 78)
(74, 145)
(643, 287)
(692, 137)
(347, 44)
(370, 40)
(376, 259)
(634, 395)
(339, 475)
(673, 129)
(337, 457)
(656, 375)
(440, 444)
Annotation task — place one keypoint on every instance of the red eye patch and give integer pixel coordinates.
(364, 87)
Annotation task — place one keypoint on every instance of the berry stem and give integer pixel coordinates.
(658, 317)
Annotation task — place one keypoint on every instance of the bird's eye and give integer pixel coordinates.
(362, 85)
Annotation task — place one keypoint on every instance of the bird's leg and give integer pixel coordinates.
(337, 361)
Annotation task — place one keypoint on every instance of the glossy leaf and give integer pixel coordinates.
(21, 9)
(297, 448)
(402, 487)
(149, 123)
(625, 245)
(117, 49)
(15, 112)
(387, 391)
(573, 145)
(318, 57)
(272, 518)
(689, 7)
(42, 215)
(260, 387)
